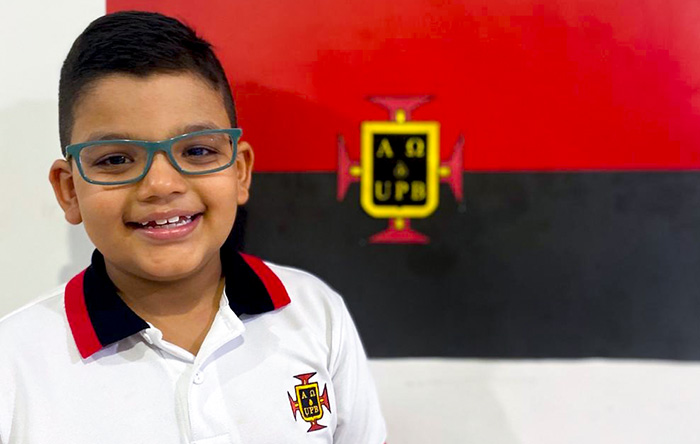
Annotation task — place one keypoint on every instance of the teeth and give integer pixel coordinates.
(176, 221)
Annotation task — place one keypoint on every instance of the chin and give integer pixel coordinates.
(172, 267)
(165, 274)
(171, 271)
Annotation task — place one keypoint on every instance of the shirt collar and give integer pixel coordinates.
(99, 317)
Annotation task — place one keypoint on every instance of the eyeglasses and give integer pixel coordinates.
(118, 162)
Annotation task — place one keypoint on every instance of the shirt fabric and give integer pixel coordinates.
(282, 362)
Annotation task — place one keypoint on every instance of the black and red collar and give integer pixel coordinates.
(98, 316)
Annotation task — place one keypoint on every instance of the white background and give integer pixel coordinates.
(425, 400)
(38, 248)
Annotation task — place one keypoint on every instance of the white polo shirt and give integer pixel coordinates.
(79, 366)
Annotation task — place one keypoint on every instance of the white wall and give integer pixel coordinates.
(425, 401)
(539, 402)
(38, 249)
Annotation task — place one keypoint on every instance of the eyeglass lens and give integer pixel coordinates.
(123, 161)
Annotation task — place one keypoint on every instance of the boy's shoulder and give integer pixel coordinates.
(306, 291)
(313, 304)
(41, 317)
(298, 279)
(46, 305)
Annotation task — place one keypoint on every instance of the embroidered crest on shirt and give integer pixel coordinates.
(308, 402)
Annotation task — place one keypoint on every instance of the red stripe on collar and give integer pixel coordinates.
(79, 319)
(275, 289)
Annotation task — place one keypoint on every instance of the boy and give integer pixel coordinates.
(170, 335)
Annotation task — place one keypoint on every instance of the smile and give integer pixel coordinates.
(167, 229)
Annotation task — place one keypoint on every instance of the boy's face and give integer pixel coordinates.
(153, 108)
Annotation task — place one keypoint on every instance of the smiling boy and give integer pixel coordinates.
(171, 336)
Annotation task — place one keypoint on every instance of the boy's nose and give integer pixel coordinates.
(161, 180)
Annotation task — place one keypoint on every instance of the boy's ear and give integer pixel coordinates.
(61, 178)
(244, 171)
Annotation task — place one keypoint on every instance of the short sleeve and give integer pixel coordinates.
(360, 419)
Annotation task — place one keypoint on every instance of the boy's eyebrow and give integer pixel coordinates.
(199, 126)
(100, 135)
(93, 137)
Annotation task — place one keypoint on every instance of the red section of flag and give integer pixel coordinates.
(531, 84)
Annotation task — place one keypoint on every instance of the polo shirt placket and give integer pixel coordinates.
(192, 376)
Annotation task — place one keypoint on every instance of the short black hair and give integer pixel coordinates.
(137, 43)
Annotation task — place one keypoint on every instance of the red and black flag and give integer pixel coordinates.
(478, 178)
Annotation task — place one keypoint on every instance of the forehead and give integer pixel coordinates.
(154, 107)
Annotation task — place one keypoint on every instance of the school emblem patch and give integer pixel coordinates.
(308, 402)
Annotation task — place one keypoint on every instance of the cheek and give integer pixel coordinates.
(220, 198)
(100, 209)
(219, 188)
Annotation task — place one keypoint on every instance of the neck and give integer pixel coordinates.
(182, 309)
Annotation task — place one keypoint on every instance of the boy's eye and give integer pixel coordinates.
(199, 151)
(113, 160)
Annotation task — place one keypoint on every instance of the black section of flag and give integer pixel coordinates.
(556, 265)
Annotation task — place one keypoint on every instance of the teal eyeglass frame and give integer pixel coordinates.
(152, 148)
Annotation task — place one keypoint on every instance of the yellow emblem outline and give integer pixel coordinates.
(313, 385)
(432, 131)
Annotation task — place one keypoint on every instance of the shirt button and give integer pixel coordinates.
(198, 378)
